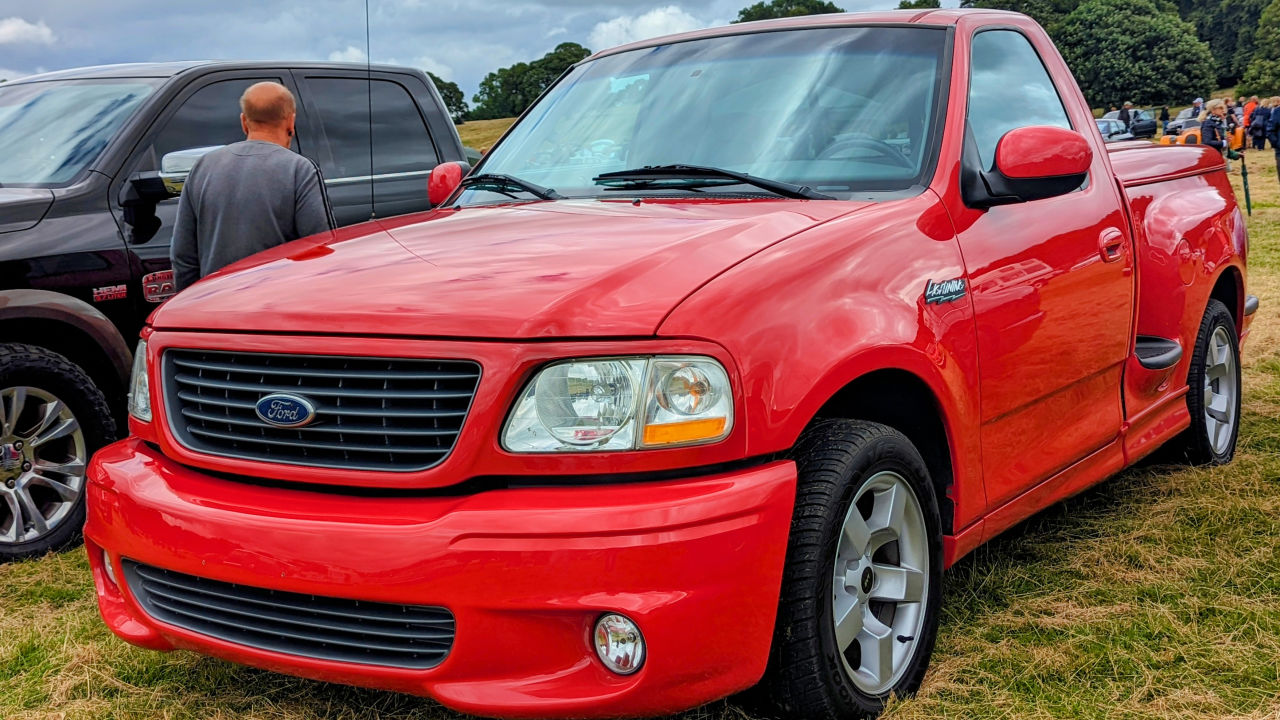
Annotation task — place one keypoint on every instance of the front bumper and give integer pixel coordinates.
(697, 563)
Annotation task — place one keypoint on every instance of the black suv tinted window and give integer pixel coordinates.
(1008, 88)
(210, 116)
(401, 142)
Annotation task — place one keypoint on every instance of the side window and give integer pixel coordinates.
(210, 116)
(1008, 88)
(401, 142)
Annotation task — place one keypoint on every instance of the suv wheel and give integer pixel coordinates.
(1214, 396)
(52, 418)
(858, 612)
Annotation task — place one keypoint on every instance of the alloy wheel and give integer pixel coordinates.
(1220, 387)
(881, 581)
(42, 463)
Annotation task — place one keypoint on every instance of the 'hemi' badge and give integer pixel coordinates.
(286, 411)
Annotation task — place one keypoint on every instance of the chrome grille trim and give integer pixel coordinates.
(379, 414)
(417, 637)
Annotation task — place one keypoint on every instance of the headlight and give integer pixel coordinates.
(622, 404)
(139, 386)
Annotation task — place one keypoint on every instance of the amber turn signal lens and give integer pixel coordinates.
(683, 432)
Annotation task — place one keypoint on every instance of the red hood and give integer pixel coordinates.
(562, 269)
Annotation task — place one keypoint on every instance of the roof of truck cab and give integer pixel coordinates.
(171, 69)
(931, 17)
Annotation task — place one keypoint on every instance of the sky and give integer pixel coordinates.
(461, 41)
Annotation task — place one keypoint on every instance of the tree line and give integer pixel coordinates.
(1150, 52)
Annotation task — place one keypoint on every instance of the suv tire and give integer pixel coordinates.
(52, 419)
(866, 522)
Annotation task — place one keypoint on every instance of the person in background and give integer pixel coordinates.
(1197, 107)
(1273, 128)
(1248, 107)
(248, 196)
(1126, 114)
(1213, 128)
(1238, 108)
(1258, 119)
(1164, 115)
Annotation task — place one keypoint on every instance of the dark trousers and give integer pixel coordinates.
(1260, 143)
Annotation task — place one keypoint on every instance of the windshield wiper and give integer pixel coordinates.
(652, 175)
(510, 181)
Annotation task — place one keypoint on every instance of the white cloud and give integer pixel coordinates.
(561, 30)
(17, 30)
(629, 28)
(7, 74)
(431, 65)
(350, 54)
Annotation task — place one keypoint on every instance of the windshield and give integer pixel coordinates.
(50, 131)
(840, 110)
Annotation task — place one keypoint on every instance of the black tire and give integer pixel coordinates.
(1196, 442)
(24, 366)
(807, 676)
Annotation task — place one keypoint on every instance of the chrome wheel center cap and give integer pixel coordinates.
(867, 579)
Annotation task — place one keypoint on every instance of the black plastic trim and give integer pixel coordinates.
(1157, 353)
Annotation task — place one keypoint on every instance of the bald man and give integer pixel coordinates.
(248, 196)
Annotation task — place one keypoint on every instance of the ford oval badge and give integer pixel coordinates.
(284, 410)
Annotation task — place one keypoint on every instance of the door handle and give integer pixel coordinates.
(1111, 245)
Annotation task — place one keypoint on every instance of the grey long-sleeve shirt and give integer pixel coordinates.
(242, 199)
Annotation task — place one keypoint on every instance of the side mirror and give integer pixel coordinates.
(1032, 163)
(175, 166)
(444, 179)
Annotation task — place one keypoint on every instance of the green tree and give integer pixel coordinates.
(506, 92)
(1046, 12)
(918, 4)
(785, 8)
(1134, 50)
(454, 99)
(1229, 27)
(1262, 76)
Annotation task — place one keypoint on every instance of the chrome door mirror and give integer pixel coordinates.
(175, 166)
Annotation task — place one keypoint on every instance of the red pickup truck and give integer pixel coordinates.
(698, 381)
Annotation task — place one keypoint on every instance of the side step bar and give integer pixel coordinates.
(1157, 353)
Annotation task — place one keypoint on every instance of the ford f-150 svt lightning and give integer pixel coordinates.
(732, 344)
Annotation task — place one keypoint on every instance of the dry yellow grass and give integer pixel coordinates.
(1156, 594)
(482, 134)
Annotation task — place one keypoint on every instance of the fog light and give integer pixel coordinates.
(109, 569)
(619, 644)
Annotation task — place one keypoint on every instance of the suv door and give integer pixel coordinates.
(366, 175)
(205, 113)
(1051, 282)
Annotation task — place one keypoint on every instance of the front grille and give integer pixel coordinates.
(353, 631)
(371, 413)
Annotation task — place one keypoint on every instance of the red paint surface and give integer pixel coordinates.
(1042, 152)
(1031, 372)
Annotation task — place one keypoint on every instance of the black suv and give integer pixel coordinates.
(90, 160)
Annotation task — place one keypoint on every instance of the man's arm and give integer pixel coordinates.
(184, 254)
(311, 202)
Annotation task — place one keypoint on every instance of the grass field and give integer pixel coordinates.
(1156, 594)
(481, 134)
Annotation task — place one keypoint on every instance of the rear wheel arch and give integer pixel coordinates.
(1228, 289)
(905, 402)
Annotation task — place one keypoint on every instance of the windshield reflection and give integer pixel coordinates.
(840, 110)
(50, 131)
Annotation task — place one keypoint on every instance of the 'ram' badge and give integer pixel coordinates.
(945, 291)
(285, 411)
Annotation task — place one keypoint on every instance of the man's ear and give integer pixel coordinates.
(244, 124)
(293, 124)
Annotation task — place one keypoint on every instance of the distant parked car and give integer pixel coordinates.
(1142, 123)
(1182, 121)
(1113, 130)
